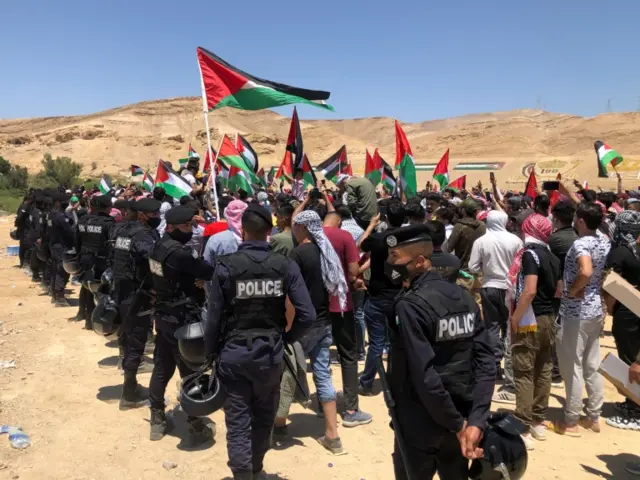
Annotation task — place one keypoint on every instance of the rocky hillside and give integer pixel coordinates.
(111, 140)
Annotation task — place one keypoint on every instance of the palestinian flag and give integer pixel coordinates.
(247, 152)
(459, 183)
(606, 156)
(294, 141)
(335, 165)
(405, 164)
(263, 178)
(285, 172)
(373, 167)
(222, 173)
(136, 170)
(147, 182)
(208, 161)
(192, 153)
(532, 185)
(224, 85)
(271, 175)
(105, 185)
(173, 184)
(308, 175)
(388, 180)
(441, 172)
(240, 180)
(230, 156)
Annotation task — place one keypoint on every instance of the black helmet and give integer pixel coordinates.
(191, 344)
(14, 234)
(201, 394)
(505, 454)
(71, 262)
(105, 318)
(41, 253)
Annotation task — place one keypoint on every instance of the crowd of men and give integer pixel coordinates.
(461, 289)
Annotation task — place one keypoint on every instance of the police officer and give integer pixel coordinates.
(441, 369)
(22, 224)
(92, 244)
(176, 272)
(34, 234)
(246, 316)
(133, 246)
(60, 234)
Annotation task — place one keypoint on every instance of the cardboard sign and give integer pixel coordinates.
(622, 291)
(617, 372)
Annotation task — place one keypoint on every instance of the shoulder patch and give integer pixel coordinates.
(392, 241)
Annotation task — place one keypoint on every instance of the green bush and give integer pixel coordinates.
(5, 166)
(62, 170)
(10, 200)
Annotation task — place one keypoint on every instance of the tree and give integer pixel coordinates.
(5, 166)
(62, 170)
(18, 177)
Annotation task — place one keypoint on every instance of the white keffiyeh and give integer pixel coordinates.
(332, 272)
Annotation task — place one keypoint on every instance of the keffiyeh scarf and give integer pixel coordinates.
(332, 272)
(626, 230)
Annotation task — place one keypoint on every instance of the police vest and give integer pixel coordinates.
(451, 336)
(166, 280)
(258, 303)
(124, 265)
(94, 234)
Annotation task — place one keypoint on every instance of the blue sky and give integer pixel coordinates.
(410, 59)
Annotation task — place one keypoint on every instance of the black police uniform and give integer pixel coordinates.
(245, 325)
(60, 239)
(33, 234)
(92, 243)
(45, 244)
(441, 370)
(22, 224)
(131, 250)
(174, 267)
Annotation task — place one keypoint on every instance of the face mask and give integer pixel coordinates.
(154, 222)
(180, 236)
(397, 273)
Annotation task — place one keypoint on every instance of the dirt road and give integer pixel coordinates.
(68, 405)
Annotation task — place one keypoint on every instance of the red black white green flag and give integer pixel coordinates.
(294, 141)
(247, 152)
(405, 164)
(308, 175)
(136, 170)
(285, 172)
(459, 183)
(372, 170)
(441, 172)
(207, 160)
(224, 85)
(335, 165)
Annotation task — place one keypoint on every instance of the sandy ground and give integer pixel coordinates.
(68, 406)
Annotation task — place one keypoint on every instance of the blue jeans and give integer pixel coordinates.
(358, 312)
(376, 311)
(316, 343)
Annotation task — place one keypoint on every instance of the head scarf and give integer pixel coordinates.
(626, 230)
(233, 214)
(341, 178)
(332, 272)
(497, 221)
(537, 230)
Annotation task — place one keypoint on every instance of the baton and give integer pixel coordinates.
(391, 406)
(289, 365)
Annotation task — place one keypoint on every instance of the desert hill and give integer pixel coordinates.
(506, 142)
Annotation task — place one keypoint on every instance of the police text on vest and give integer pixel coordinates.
(459, 326)
(258, 288)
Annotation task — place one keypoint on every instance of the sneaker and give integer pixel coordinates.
(590, 424)
(624, 408)
(158, 422)
(139, 398)
(334, 445)
(633, 468)
(624, 422)
(365, 392)
(557, 383)
(149, 348)
(528, 441)
(539, 432)
(562, 428)
(78, 318)
(504, 396)
(356, 419)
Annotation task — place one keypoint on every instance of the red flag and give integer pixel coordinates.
(208, 161)
(554, 198)
(286, 168)
(459, 183)
(368, 163)
(532, 185)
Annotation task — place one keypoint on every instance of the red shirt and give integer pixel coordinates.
(345, 247)
(215, 227)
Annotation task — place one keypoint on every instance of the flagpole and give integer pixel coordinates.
(205, 111)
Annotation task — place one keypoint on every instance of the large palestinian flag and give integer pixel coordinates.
(441, 172)
(224, 85)
(247, 152)
(240, 180)
(606, 156)
(173, 184)
(405, 164)
(335, 165)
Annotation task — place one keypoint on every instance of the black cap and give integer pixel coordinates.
(261, 211)
(146, 205)
(101, 201)
(124, 204)
(407, 235)
(179, 215)
(521, 216)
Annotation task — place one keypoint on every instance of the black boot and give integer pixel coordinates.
(120, 359)
(60, 300)
(134, 395)
(158, 423)
(146, 366)
(78, 317)
(200, 432)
